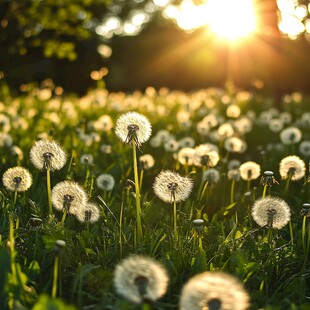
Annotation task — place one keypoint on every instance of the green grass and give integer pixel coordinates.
(274, 270)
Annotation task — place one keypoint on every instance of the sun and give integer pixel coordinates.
(229, 19)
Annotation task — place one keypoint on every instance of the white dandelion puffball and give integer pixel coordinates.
(139, 279)
(17, 179)
(133, 125)
(292, 166)
(46, 154)
(214, 290)
(249, 170)
(290, 135)
(69, 196)
(105, 181)
(272, 211)
(169, 185)
(90, 213)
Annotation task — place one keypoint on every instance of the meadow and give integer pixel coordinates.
(214, 180)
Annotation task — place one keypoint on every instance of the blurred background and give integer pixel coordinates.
(130, 45)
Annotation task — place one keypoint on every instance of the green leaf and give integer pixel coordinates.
(46, 303)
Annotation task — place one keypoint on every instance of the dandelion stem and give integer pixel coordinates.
(48, 186)
(232, 190)
(287, 184)
(12, 245)
(55, 276)
(264, 191)
(141, 178)
(137, 187)
(303, 233)
(175, 219)
(14, 199)
(64, 217)
(145, 306)
(291, 231)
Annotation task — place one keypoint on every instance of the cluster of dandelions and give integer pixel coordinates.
(271, 211)
(69, 197)
(143, 280)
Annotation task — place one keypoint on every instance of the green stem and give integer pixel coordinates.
(141, 178)
(264, 191)
(175, 219)
(48, 186)
(291, 232)
(120, 230)
(12, 245)
(232, 190)
(64, 217)
(137, 187)
(303, 234)
(145, 306)
(287, 184)
(14, 199)
(55, 276)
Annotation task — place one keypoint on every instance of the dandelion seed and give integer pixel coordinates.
(186, 142)
(140, 279)
(17, 179)
(290, 135)
(292, 167)
(133, 126)
(169, 185)
(68, 196)
(271, 211)
(171, 145)
(243, 125)
(17, 152)
(249, 170)
(214, 290)
(90, 213)
(46, 154)
(104, 123)
(233, 164)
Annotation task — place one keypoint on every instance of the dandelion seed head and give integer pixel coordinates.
(90, 213)
(133, 125)
(17, 179)
(211, 175)
(235, 145)
(138, 279)
(47, 154)
(272, 211)
(205, 155)
(233, 174)
(169, 185)
(146, 161)
(106, 148)
(290, 135)
(17, 151)
(5, 139)
(292, 166)
(186, 156)
(249, 170)
(226, 130)
(304, 148)
(243, 125)
(275, 125)
(214, 290)
(69, 196)
(105, 182)
(87, 159)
